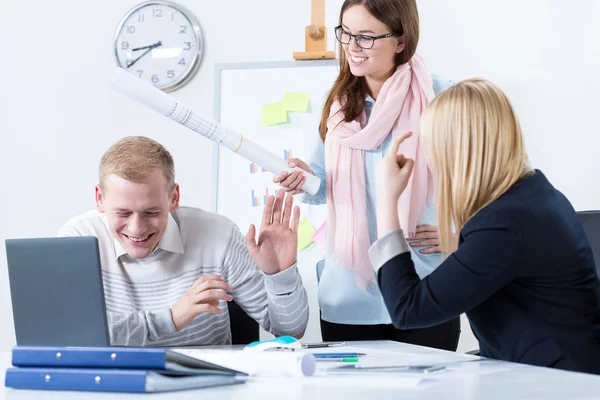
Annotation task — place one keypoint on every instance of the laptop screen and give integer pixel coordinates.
(56, 291)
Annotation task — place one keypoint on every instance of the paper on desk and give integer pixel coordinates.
(382, 358)
(408, 360)
(383, 380)
(267, 363)
(467, 370)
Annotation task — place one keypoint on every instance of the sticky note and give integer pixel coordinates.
(296, 102)
(273, 114)
(319, 235)
(305, 232)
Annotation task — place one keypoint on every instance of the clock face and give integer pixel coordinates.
(159, 42)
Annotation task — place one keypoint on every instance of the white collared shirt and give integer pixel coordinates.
(171, 240)
(140, 293)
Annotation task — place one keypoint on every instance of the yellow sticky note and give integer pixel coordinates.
(305, 232)
(273, 114)
(296, 102)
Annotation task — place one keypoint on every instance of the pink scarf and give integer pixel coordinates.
(398, 110)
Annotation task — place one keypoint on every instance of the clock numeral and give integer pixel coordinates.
(154, 78)
(182, 61)
(131, 29)
(140, 73)
(170, 74)
(141, 18)
(157, 12)
(124, 45)
(188, 45)
(128, 62)
(183, 29)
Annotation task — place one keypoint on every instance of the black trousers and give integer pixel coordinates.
(444, 336)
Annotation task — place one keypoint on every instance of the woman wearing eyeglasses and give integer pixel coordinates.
(381, 92)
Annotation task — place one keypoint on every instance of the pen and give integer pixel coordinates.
(338, 355)
(339, 359)
(322, 344)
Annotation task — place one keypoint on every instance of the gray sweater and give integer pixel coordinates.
(140, 293)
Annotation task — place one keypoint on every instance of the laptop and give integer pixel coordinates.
(56, 292)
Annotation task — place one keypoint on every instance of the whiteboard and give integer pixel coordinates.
(240, 91)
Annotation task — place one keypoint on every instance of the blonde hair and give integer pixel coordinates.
(134, 158)
(475, 149)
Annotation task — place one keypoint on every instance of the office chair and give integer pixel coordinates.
(244, 329)
(591, 224)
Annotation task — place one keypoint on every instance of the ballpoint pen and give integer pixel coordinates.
(338, 355)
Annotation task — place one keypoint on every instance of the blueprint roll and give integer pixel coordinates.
(265, 363)
(142, 92)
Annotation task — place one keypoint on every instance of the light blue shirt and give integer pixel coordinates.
(340, 300)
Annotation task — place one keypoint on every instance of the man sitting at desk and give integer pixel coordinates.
(169, 271)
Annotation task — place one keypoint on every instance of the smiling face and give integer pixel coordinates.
(137, 212)
(377, 62)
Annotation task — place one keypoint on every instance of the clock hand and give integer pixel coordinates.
(157, 44)
(130, 64)
(148, 47)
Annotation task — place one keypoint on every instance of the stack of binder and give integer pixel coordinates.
(113, 369)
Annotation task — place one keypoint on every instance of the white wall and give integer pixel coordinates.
(58, 115)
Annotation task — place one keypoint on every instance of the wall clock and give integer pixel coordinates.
(159, 42)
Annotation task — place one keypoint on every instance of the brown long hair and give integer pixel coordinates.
(402, 17)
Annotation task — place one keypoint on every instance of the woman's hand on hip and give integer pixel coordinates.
(426, 236)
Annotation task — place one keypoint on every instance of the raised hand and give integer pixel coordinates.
(277, 245)
(393, 172)
(391, 178)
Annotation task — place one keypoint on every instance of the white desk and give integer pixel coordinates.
(486, 379)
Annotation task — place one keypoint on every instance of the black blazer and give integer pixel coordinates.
(523, 272)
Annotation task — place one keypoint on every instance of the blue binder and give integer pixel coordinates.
(113, 369)
(111, 380)
(112, 357)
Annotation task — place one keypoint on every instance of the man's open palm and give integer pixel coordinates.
(277, 245)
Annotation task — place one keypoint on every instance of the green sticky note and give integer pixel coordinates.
(305, 232)
(273, 114)
(296, 102)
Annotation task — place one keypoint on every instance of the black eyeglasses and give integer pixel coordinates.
(362, 41)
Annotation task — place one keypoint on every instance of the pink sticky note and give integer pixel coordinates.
(319, 236)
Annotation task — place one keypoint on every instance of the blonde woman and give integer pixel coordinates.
(522, 268)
